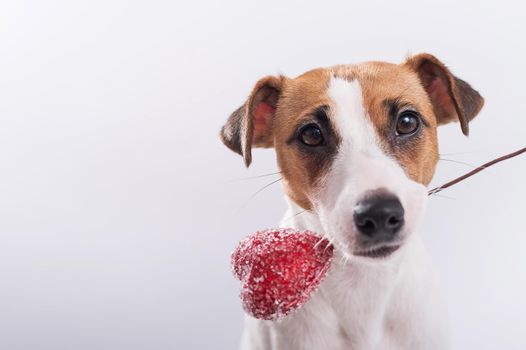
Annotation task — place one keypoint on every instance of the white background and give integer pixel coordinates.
(119, 207)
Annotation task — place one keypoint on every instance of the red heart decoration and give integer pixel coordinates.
(280, 269)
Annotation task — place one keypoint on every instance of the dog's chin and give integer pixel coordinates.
(379, 252)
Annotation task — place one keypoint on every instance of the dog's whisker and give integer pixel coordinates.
(254, 177)
(457, 153)
(319, 241)
(263, 188)
(347, 256)
(442, 196)
(301, 212)
(294, 215)
(331, 243)
(347, 259)
(458, 162)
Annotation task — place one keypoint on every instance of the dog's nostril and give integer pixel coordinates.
(393, 221)
(367, 226)
(379, 216)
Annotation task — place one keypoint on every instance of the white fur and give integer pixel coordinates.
(364, 303)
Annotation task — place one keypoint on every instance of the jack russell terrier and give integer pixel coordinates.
(356, 146)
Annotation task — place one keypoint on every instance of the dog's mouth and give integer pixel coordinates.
(378, 253)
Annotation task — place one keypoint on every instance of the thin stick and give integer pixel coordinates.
(476, 170)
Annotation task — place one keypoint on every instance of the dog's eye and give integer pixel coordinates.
(408, 123)
(311, 135)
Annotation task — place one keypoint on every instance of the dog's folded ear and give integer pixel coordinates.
(251, 124)
(453, 99)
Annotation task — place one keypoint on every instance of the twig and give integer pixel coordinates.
(476, 170)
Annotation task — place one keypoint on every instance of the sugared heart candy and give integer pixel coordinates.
(280, 269)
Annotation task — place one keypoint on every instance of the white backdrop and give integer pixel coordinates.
(119, 207)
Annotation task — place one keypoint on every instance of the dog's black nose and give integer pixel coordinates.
(379, 216)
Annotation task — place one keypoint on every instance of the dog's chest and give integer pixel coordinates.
(353, 310)
(392, 305)
(365, 311)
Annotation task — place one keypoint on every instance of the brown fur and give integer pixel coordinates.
(238, 133)
(421, 82)
(300, 171)
(453, 99)
(381, 82)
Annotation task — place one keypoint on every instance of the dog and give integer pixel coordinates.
(356, 146)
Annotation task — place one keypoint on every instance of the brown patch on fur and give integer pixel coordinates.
(302, 168)
(242, 130)
(291, 103)
(381, 82)
(453, 99)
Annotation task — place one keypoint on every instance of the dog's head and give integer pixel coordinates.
(356, 144)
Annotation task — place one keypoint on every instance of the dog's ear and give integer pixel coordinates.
(251, 124)
(453, 99)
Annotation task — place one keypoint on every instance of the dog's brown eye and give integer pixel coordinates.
(311, 135)
(407, 123)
